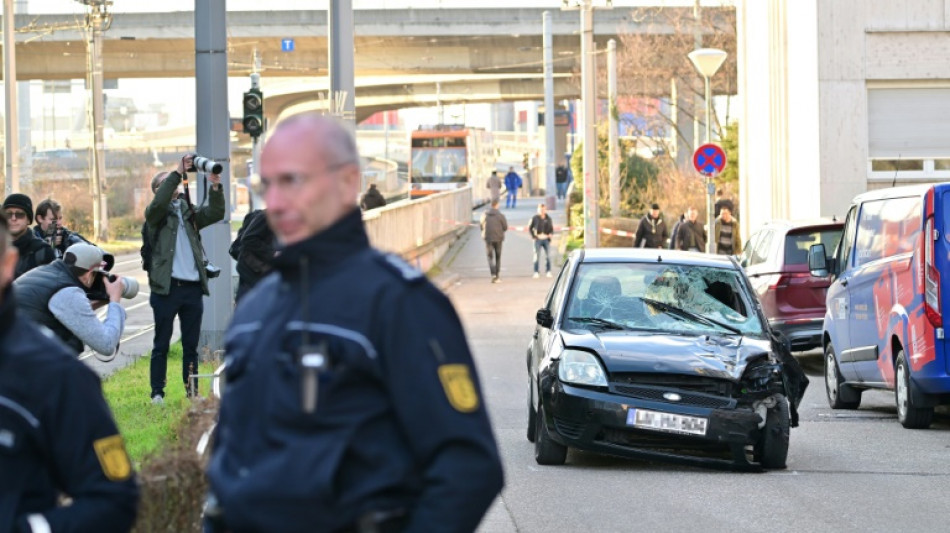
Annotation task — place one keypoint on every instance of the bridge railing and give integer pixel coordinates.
(421, 230)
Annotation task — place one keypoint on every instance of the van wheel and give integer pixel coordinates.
(532, 416)
(908, 415)
(840, 396)
(546, 450)
(772, 448)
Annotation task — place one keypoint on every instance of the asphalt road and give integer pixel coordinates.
(847, 470)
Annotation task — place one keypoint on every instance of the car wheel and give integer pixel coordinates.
(546, 450)
(840, 396)
(772, 449)
(532, 416)
(908, 414)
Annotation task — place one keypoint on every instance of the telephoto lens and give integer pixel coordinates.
(130, 287)
(207, 165)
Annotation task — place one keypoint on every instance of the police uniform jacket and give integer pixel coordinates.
(399, 424)
(57, 437)
(33, 291)
(163, 232)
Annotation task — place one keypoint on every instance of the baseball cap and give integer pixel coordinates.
(86, 256)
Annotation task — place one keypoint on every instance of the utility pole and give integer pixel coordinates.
(12, 128)
(98, 19)
(340, 60)
(550, 186)
(213, 127)
(589, 97)
(612, 157)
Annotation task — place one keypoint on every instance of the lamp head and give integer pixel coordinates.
(707, 60)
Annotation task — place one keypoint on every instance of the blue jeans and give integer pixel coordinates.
(562, 189)
(512, 198)
(544, 244)
(184, 299)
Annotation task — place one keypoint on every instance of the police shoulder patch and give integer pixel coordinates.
(112, 458)
(459, 388)
(401, 267)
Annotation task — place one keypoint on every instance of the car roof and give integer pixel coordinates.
(896, 192)
(653, 255)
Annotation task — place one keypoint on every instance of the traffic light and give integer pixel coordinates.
(253, 113)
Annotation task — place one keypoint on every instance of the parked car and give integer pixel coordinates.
(776, 260)
(883, 328)
(659, 354)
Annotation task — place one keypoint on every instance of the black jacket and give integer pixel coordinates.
(69, 238)
(257, 252)
(372, 199)
(651, 233)
(58, 437)
(34, 252)
(399, 421)
(33, 291)
(543, 226)
(691, 236)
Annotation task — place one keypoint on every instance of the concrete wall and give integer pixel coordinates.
(805, 67)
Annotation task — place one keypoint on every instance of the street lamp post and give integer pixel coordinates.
(707, 61)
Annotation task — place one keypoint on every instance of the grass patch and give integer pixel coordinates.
(148, 428)
(573, 243)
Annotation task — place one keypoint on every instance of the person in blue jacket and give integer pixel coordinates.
(352, 400)
(57, 436)
(512, 184)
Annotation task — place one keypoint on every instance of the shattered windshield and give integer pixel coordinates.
(661, 297)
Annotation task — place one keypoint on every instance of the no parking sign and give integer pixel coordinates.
(709, 159)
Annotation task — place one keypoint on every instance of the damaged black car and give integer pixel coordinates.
(659, 354)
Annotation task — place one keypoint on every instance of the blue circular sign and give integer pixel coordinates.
(709, 159)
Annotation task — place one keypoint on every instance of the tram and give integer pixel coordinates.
(449, 156)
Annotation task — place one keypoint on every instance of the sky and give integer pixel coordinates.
(132, 6)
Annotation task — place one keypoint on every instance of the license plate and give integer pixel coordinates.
(643, 418)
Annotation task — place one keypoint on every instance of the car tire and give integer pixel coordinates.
(532, 416)
(546, 450)
(772, 448)
(909, 415)
(840, 396)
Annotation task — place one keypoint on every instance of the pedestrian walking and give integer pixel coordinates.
(353, 403)
(726, 237)
(542, 229)
(494, 225)
(494, 187)
(652, 232)
(178, 276)
(675, 232)
(691, 235)
(512, 183)
(560, 180)
(57, 435)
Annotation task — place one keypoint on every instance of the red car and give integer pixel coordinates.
(775, 259)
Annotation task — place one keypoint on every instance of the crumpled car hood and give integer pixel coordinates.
(723, 357)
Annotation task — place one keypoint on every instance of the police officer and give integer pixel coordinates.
(364, 414)
(57, 436)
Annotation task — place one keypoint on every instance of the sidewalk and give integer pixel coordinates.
(467, 259)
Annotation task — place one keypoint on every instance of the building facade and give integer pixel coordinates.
(839, 97)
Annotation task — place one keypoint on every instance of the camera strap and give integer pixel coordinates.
(191, 217)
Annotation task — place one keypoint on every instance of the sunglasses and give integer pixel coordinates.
(13, 215)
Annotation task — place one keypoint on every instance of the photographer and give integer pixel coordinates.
(49, 227)
(64, 294)
(178, 274)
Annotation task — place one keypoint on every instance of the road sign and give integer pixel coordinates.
(287, 45)
(709, 159)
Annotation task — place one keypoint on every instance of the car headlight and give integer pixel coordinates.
(581, 368)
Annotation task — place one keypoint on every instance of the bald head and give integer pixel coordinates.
(310, 176)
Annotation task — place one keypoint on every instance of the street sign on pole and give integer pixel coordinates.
(709, 159)
(287, 45)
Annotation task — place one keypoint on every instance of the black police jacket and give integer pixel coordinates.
(33, 291)
(399, 423)
(34, 252)
(57, 437)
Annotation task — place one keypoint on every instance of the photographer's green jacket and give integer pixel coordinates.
(163, 231)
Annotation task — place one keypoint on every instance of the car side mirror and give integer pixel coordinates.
(544, 318)
(817, 262)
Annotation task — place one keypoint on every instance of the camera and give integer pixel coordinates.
(211, 271)
(130, 286)
(209, 166)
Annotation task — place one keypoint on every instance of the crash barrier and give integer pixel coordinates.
(421, 230)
